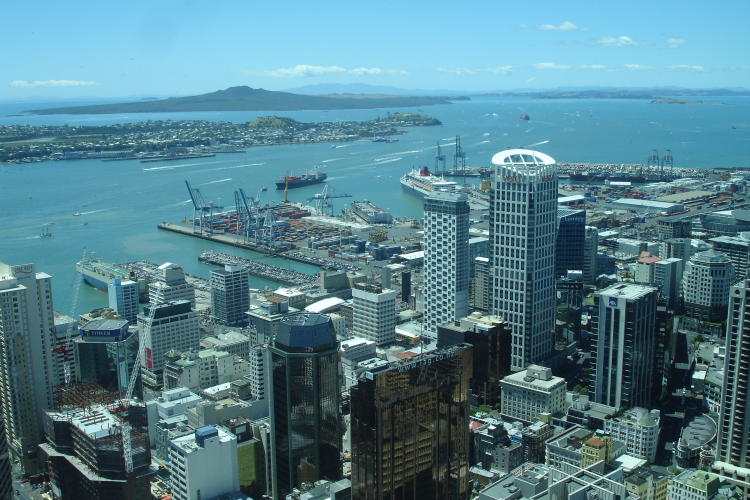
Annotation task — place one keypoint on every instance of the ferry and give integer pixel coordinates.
(99, 274)
(420, 183)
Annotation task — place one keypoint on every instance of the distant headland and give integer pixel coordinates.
(249, 99)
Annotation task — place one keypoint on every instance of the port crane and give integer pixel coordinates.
(459, 158)
(126, 445)
(439, 157)
(652, 160)
(64, 345)
(203, 211)
(667, 160)
(323, 201)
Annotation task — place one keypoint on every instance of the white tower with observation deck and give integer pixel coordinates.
(523, 217)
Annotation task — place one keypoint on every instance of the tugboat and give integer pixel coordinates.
(524, 117)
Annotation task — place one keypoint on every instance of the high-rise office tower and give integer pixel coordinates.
(175, 326)
(446, 258)
(480, 284)
(305, 394)
(6, 472)
(705, 286)
(374, 313)
(668, 277)
(523, 220)
(409, 428)
(622, 345)
(571, 229)
(123, 298)
(590, 250)
(677, 248)
(568, 310)
(737, 248)
(105, 353)
(733, 438)
(230, 295)
(677, 228)
(170, 285)
(490, 337)
(28, 367)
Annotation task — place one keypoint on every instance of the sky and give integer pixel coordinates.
(168, 48)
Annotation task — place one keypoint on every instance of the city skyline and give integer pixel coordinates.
(201, 49)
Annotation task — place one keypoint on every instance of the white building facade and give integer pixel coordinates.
(446, 258)
(374, 313)
(526, 395)
(523, 233)
(705, 285)
(203, 464)
(171, 286)
(638, 429)
(258, 371)
(123, 298)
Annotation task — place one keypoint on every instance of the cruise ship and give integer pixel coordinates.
(420, 183)
(99, 275)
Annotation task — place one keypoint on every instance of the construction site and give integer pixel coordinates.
(97, 445)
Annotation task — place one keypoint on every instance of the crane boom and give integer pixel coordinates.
(63, 346)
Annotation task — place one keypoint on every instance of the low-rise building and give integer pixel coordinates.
(566, 448)
(233, 342)
(357, 349)
(493, 449)
(648, 484)
(527, 394)
(638, 429)
(202, 369)
(694, 485)
(170, 403)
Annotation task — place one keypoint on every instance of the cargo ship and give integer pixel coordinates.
(99, 274)
(315, 176)
(420, 183)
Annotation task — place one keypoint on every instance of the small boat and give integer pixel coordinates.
(524, 117)
(85, 223)
(263, 189)
(333, 146)
(76, 214)
(45, 234)
(85, 205)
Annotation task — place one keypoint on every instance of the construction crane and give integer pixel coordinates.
(323, 201)
(459, 158)
(439, 157)
(203, 211)
(126, 448)
(63, 345)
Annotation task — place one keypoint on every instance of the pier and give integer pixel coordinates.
(259, 270)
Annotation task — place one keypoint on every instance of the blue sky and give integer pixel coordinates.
(111, 49)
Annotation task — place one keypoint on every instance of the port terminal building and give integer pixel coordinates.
(648, 206)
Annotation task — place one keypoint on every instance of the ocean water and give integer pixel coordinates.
(125, 202)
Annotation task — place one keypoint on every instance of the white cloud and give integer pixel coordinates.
(591, 66)
(457, 71)
(505, 70)
(675, 43)
(23, 84)
(566, 26)
(638, 67)
(549, 66)
(610, 41)
(304, 70)
(685, 67)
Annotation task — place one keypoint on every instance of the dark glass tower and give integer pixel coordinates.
(409, 428)
(571, 229)
(305, 416)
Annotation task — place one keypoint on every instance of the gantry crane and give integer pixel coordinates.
(459, 159)
(653, 160)
(203, 211)
(323, 202)
(439, 157)
(667, 160)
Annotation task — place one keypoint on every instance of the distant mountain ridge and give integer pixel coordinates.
(247, 99)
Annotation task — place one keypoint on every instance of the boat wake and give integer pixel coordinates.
(536, 144)
(170, 167)
(333, 159)
(486, 134)
(95, 211)
(214, 182)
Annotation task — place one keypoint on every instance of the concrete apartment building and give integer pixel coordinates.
(446, 258)
(123, 299)
(170, 286)
(26, 325)
(230, 295)
(527, 395)
(705, 286)
(203, 464)
(374, 313)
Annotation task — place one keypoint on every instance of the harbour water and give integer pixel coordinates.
(125, 203)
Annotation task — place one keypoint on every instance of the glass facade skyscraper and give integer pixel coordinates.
(305, 406)
(571, 229)
(409, 426)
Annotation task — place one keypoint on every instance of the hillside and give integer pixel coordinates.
(246, 99)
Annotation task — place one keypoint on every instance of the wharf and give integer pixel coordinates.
(178, 157)
(259, 270)
(233, 240)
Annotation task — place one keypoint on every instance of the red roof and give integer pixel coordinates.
(405, 354)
